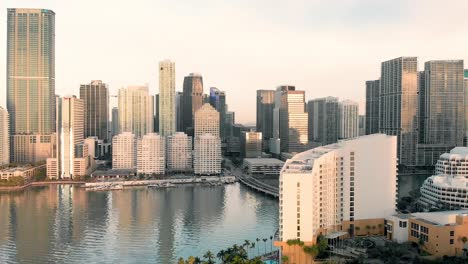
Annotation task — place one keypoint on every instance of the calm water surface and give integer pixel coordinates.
(65, 224)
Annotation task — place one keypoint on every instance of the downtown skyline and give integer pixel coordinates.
(301, 51)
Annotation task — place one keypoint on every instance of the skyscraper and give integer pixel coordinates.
(372, 106)
(179, 152)
(443, 98)
(349, 119)
(178, 107)
(4, 137)
(323, 121)
(265, 106)
(207, 155)
(192, 100)
(115, 121)
(124, 151)
(251, 144)
(465, 87)
(167, 110)
(206, 121)
(30, 74)
(156, 113)
(399, 104)
(293, 121)
(95, 97)
(151, 154)
(218, 102)
(135, 110)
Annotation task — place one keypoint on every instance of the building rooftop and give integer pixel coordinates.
(456, 153)
(264, 161)
(434, 218)
(13, 169)
(449, 181)
(114, 172)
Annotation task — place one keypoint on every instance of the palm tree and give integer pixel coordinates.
(197, 260)
(264, 243)
(221, 255)
(246, 245)
(181, 261)
(252, 246)
(209, 255)
(258, 249)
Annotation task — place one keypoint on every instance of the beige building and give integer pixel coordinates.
(167, 100)
(124, 149)
(179, 152)
(4, 137)
(206, 121)
(32, 148)
(207, 156)
(151, 153)
(136, 110)
(27, 172)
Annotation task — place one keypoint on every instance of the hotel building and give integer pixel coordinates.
(151, 154)
(124, 151)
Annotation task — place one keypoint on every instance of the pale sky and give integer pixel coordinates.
(325, 47)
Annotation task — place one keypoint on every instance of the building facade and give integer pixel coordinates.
(95, 96)
(4, 137)
(167, 107)
(323, 121)
(337, 190)
(372, 106)
(124, 151)
(115, 121)
(265, 106)
(207, 155)
(293, 121)
(207, 121)
(179, 153)
(135, 110)
(218, 102)
(151, 154)
(30, 77)
(251, 144)
(192, 100)
(349, 119)
(399, 105)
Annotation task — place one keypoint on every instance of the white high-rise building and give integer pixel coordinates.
(167, 100)
(72, 159)
(206, 121)
(124, 151)
(4, 137)
(449, 186)
(179, 152)
(135, 111)
(339, 189)
(349, 119)
(207, 160)
(151, 153)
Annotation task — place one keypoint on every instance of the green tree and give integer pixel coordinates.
(209, 256)
(285, 259)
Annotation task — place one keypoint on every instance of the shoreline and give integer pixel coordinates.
(6, 189)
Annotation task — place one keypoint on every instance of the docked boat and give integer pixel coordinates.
(161, 185)
(109, 187)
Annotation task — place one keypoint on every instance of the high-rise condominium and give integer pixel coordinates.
(192, 100)
(71, 150)
(218, 101)
(323, 121)
(207, 155)
(206, 121)
(338, 189)
(265, 106)
(115, 121)
(124, 151)
(442, 98)
(135, 110)
(349, 119)
(151, 154)
(372, 106)
(167, 110)
(293, 120)
(465, 87)
(179, 152)
(4, 137)
(399, 104)
(30, 76)
(95, 96)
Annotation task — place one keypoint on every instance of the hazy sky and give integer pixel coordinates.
(325, 47)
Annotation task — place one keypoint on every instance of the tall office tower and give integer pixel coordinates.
(207, 155)
(4, 137)
(136, 110)
(372, 106)
(465, 87)
(265, 106)
(179, 152)
(251, 145)
(443, 98)
(115, 121)
(293, 121)
(349, 119)
(206, 121)
(362, 125)
(70, 137)
(30, 77)
(399, 104)
(230, 121)
(336, 189)
(323, 121)
(167, 110)
(218, 101)
(124, 151)
(151, 157)
(156, 113)
(178, 107)
(192, 100)
(95, 96)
